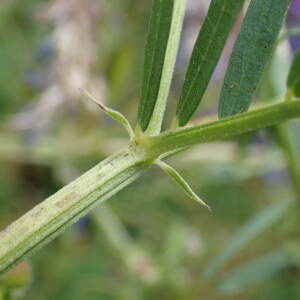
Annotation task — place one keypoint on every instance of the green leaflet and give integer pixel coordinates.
(257, 270)
(251, 53)
(293, 82)
(207, 50)
(289, 135)
(250, 230)
(157, 39)
(3, 293)
(173, 248)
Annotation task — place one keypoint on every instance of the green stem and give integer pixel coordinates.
(288, 148)
(156, 120)
(133, 256)
(289, 32)
(224, 128)
(45, 221)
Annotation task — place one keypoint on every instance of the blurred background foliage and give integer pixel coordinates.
(149, 241)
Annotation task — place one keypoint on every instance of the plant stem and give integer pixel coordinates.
(156, 120)
(287, 136)
(222, 129)
(133, 256)
(45, 221)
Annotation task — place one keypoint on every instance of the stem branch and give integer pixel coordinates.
(224, 128)
(45, 221)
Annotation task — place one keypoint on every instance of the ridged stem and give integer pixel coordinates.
(222, 129)
(45, 221)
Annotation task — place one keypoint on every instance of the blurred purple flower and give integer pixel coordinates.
(295, 8)
(293, 20)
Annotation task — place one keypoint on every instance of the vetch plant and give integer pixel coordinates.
(148, 145)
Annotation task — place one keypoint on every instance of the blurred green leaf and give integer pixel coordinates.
(294, 131)
(173, 248)
(278, 72)
(3, 293)
(289, 135)
(19, 277)
(254, 227)
(156, 45)
(16, 281)
(293, 81)
(254, 271)
(278, 289)
(251, 53)
(207, 50)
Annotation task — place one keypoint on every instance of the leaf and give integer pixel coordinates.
(289, 135)
(293, 82)
(278, 72)
(117, 116)
(3, 293)
(181, 182)
(173, 248)
(251, 53)
(254, 227)
(18, 278)
(157, 39)
(255, 271)
(207, 50)
(294, 140)
(289, 132)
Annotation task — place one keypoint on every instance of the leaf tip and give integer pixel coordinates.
(116, 115)
(93, 99)
(203, 203)
(181, 182)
